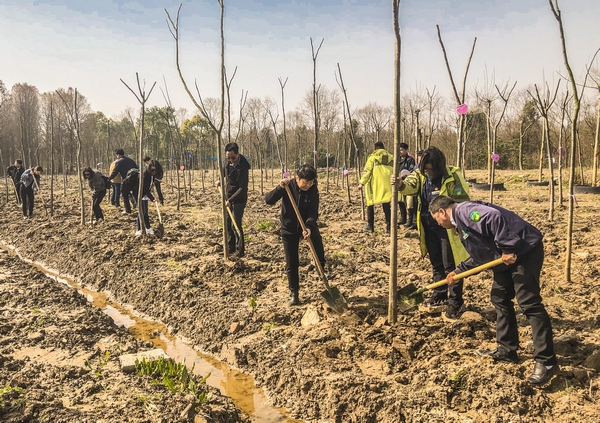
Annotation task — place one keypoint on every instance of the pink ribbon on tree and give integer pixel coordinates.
(462, 109)
(561, 150)
(346, 172)
(286, 175)
(495, 157)
(182, 167)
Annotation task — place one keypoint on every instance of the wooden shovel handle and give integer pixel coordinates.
(231, 216)
(158, 212)
(310, 244)
(467, 273)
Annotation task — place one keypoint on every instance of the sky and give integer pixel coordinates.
(92, 45)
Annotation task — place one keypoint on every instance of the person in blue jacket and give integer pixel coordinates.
(489, 232)
(30, 182)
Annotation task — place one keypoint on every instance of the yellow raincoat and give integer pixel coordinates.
(376, 177)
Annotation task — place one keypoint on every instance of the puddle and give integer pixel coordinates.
(231, 382)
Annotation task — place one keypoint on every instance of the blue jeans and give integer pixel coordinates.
(116, 193)
(146, 217)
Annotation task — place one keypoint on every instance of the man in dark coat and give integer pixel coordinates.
(488, 232)
(306, 195)
(122, 166)
(236, 171)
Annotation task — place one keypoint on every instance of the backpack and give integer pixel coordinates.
(107, 183)
(132, 178)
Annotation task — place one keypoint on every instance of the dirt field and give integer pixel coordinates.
(341, 368)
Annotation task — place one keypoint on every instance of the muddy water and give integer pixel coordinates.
(231, 382)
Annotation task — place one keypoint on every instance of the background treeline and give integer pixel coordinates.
(31, 122)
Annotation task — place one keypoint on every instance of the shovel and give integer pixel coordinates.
(160, 229)
(332, 296)
(235, 226)
(410, 296)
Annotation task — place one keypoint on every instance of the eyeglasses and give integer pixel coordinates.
(86, 175)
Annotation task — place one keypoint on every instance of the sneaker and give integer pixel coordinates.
(125, 212)
(149, 231)
(99, 220)
(25, 217)
(453, 313)
(138, 233)
(368, 228)
(497, 355)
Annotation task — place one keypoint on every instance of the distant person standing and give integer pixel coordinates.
(375, 180)
(158, 176)
(407, 164)
(116, 186)
(236, 171)
(14, 172)
(30, 182)
(122, 165)
(96, 184)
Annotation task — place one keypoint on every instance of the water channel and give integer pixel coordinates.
(231, 382)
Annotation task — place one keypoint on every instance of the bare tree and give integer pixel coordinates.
(315, 91)
(576, 106)
(460, 99)
(216, 126)
(142, 98)
(393, 280)
(286, 165)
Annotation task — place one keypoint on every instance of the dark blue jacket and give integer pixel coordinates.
(122, 165)
(308, 204)
(487, 231)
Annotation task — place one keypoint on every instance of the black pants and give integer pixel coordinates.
(125, 194)
(522, 280)
(235, 241)
(97, 200)
(442, 263)
(18, 186)
(159, 191)
(27, 199)
(145, 215)
(371, 215)
(292, 262)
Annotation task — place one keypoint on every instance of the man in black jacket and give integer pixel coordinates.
(14, 172)
(306, 195)
(158, 176)
(236, 170)
(488, 232)
(122, 166)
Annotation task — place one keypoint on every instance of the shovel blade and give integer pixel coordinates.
(409, 297)
(334, 299)
(160, 230)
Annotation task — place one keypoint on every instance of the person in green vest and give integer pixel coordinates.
(431, 179)
(377, 173)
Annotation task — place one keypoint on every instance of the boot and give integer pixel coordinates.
(294, 299)
(411, 221)
(402, 206)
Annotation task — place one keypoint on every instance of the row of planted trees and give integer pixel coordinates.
(527, 128)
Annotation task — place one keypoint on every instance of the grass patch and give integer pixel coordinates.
(265, 225)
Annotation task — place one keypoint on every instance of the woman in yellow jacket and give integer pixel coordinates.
(375, 179)
(433, 178)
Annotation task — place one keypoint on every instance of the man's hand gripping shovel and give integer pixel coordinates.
(410, 296)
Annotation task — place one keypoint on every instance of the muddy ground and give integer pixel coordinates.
(342, 368)
(59, 360)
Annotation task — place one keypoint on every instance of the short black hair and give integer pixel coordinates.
(232, 146)
(307, 172)
(19, 162)
(403, 145)
(120, 152)
(379, 144)
(440, 202)
(147, 159)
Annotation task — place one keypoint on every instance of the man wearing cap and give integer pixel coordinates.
(406, 164)
(488, 232)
